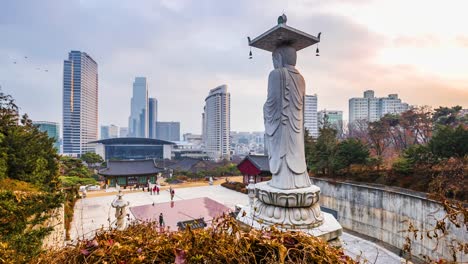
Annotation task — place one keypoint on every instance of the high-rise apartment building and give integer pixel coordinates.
(371, 108)
(138, 120)
(310, 115)
(333, 117)
(104, 132)
(52, 129)
(80, 103)
(152, 116)
(217, 123)
(169, 131)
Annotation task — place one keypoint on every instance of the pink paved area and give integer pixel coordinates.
(180, 210)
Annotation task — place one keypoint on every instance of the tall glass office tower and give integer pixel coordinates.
(153, 116)
(138, 120)
(80, 103)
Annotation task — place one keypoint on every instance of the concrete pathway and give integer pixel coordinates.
(94, 213)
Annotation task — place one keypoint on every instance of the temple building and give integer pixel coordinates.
(130, 172)
(257, 166)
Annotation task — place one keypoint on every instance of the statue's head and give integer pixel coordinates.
(284, 55)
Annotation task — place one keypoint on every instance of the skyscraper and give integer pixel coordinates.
(138, 120)
(310, 115)
(52, 129)
(104, 132)
(371, 108)
(80, 103)
(152, 116)
(111, 131)
(169, 131)
(217, 123)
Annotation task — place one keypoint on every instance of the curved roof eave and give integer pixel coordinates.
(133, 141)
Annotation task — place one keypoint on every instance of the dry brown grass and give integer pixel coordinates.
(223, 242)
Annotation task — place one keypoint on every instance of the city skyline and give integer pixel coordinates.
(422, 61)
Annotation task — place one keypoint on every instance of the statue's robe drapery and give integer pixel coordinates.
(284, 128)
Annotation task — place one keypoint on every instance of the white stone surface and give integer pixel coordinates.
(330, 229)
(92, 213)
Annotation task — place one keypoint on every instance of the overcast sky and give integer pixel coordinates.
(417, 48)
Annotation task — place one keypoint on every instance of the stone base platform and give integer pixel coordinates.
(330, 230)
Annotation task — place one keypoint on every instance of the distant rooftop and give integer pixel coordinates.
(130, 167)
(132, 141)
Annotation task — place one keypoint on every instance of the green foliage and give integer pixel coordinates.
(71, 196)
(28, 183)
(74, 167)
(348, 152)
(449, 116)
(322, 151)
(15, 185)
(419, 155)
(450, 142)
(70, 181)
(326, 155)
(223, 242)
(403, 166)
(221, 169)
(26, 154)
(91, 158)
(20, 212)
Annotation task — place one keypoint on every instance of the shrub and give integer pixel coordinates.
(223, 242)
(236, 186)
(182, 178)
(15, 185)
(403, 166)
(21, 224)
(70, 181)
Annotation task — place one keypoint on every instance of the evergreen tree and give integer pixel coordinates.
(348, 152)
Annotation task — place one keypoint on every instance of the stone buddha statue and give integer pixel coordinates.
(283, 114)
(288, 200)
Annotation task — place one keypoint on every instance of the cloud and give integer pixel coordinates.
(186, 48)
(462, 41)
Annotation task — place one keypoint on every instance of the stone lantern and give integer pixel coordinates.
(251, 191)
(120, 206)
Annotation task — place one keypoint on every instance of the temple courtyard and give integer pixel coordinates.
(190, 203)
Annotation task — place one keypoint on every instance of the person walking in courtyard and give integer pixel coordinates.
(161, 220)
(157, 189)
(172, 194)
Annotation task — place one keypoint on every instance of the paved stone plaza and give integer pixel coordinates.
(95, 213)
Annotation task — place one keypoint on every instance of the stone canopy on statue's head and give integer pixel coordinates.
(283, 34)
